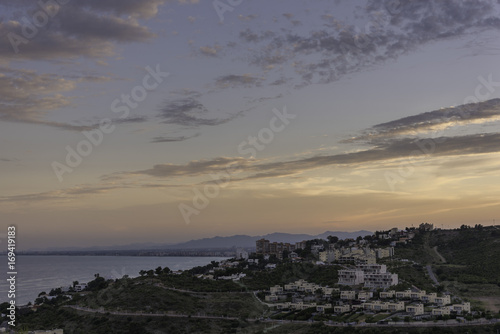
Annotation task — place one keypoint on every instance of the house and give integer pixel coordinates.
(275, 289)
(445, 300)
(441, 311)
(461, 308)
(417, 294)
(241, 254)
(348, 295)
(403, 294)
(271, 266)
(365, 295)
(271, 298)
(416, 309)
(341, 308)
(80, 287)
(429, 298)
(376, 306)
(322, 308)
(398, 306)
(387, 294)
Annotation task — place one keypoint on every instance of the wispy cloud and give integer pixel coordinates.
(169, 139)
(339, 48)
(474, 113)
(386, 149)
(187, 112)
(80, 28)
(237, 81)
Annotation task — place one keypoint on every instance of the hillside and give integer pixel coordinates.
(464, 260)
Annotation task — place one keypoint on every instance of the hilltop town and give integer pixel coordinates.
(412, 277)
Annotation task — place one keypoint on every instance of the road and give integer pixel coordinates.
(438, 254)
(440, 323)
(431, 274)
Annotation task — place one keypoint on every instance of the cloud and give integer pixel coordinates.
(251, 37)
(59, 195)
(249, 17)
(236, 81)
(473, 113)
(210, 51)
(193, 168)
(133, 119)
(186, 112)
(173, 139)
(339, 48)
(383, 152)
(27, 96)
(78, 29)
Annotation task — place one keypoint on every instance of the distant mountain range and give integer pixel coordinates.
(249, 241)
(245, 241)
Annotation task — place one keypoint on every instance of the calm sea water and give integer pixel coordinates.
(42, 273)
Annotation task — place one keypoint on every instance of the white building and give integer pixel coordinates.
(351, 276)
(441, 311)
(348, 295)
(461, 308)
(417, 309)
(241, 254)
(341, 308)
(381, 280)
(80, 287)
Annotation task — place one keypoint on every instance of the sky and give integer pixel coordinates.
(126, 121)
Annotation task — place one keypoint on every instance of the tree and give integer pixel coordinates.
(158, 271)
(142, 272)
(167, 270)
(332, 239)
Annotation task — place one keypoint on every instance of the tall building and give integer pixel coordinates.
(263, 246)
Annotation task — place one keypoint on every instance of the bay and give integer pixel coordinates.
(37, 273)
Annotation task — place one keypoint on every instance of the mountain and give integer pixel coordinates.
(245, 241)
(249, 241)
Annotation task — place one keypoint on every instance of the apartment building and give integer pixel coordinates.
(351, 276)
(381, 280)
(264, 246)
(384, 252)
(373, 268)
(329, 256)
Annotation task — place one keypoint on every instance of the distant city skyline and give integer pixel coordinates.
(166, 121)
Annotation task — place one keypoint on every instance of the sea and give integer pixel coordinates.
(41, 273)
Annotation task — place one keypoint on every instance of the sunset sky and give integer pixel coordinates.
(125, 121)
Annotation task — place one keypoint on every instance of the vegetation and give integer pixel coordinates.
(159, 301)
